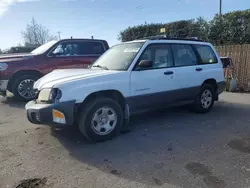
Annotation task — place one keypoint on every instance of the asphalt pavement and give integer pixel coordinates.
(169, 148)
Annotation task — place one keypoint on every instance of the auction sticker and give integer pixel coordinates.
(131, 49)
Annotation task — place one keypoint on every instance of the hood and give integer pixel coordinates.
(9, 57)
(65, 75)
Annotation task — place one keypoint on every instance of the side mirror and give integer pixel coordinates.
(145, 64)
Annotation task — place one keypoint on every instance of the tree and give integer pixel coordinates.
(182, 29)
(231, 28)
(36, 34)
(203, 28)
(1, 51)
(141, 31)
(216, 30)
(234, 28)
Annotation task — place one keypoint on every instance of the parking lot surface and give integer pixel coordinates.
(169, 148)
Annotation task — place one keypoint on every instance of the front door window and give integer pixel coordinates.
(159, 54)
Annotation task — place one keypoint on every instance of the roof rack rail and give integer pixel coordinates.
(164, 37)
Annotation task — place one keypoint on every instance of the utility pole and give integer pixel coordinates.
(220, 18)
(59, 35)
(220, 11)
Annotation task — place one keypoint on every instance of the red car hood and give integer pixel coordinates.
(10, 57)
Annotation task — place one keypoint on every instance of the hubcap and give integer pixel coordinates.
(206, 98)
(25, 89)
(104, 121)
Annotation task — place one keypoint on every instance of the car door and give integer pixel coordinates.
(73, 54)
(155, 86)
(209, 63)
(188, 72)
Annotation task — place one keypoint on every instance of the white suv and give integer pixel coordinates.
(129, 78)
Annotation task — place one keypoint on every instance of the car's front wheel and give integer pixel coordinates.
(101, 119)
(22, 87)
(205, 99)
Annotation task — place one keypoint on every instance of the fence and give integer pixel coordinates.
(240, 55)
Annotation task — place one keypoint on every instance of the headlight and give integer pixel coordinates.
(3, 66)
(44, 95)
(50, 95)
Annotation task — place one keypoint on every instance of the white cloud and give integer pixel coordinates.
(4, 4)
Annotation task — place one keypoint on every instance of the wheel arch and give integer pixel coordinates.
(20, 73)
(213, 83)
(113, 94)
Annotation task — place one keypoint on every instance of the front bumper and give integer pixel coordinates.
(3, 85)
(43, 113)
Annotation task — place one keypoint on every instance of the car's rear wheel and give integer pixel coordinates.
(101, 119)
(22, 87)
(205, 99)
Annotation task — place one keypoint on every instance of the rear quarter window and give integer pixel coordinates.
(207, 54)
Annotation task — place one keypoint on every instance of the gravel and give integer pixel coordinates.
(169, 148)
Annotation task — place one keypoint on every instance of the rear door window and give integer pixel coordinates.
(206, 53)
(184, 55)
(91, 48)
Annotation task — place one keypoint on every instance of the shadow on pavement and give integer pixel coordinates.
(12, 102)
(163, 144)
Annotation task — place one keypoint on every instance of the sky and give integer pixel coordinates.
(103, 19)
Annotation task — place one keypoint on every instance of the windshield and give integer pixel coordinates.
(43, 48)
(119, 57)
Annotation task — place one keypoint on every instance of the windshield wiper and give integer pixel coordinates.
(102, 67)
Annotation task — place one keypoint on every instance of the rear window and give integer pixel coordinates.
(207, 54)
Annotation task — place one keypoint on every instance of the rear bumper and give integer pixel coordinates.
(43, 113)
(3, 85)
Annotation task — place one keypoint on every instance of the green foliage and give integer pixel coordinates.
(137, 32)
(231, 28)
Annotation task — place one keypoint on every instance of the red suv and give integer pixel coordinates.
(18, 72)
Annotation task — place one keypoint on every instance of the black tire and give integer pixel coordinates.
(16, 83)
(87, 113)
(197, 105)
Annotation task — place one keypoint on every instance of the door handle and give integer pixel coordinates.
(198, 69)
(168, 72)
